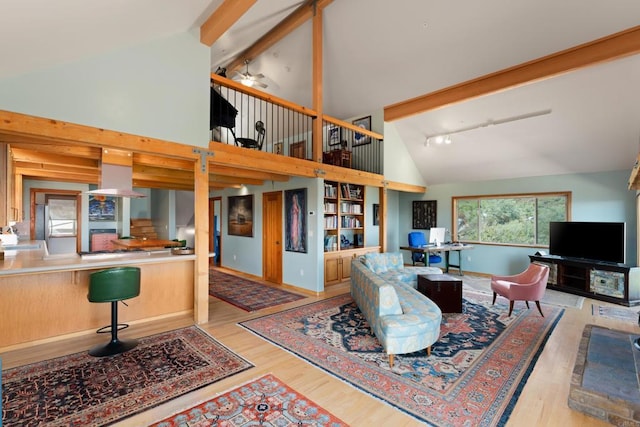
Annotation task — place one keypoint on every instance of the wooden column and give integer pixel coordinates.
(383, 218)
(317, 84)
(201, 266)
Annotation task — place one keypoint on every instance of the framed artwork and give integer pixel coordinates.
(102, 208)
(376, 214)
(278, 148)
(295, 233)
(360, 138)
(334, 135)
(240, 218)
(424, 214)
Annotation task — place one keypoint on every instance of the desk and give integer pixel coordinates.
(443, 248)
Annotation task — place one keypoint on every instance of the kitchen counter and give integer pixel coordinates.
(144, 243)
(44, 297)
(32, 257)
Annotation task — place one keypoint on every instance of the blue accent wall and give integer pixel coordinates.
(599, 196)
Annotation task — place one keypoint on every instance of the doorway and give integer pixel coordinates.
(272, 237)
(215, 243)
(55, 218)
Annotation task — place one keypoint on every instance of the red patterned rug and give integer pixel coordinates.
(265, 401)
(82, 390)
(247, 294)
(473, 377)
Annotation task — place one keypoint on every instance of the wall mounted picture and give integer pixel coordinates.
(102, 208)
(333, 135)
(425, 214)
(376, 214)
(295, 233)
(360, 138)
(240, 221)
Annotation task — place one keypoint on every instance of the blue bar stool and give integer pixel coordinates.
(113, 285)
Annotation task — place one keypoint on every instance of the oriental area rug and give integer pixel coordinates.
(82, 390)
(473, 377)
(265, 401)
(246, 294)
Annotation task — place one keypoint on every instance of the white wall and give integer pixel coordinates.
(158, 89)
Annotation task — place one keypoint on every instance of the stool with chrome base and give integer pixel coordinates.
(113, 285)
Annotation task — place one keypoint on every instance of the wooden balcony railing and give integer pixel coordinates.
(250, 118)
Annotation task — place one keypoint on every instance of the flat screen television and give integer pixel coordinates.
(598, 241)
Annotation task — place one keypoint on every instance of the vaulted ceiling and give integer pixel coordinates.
(377, 53)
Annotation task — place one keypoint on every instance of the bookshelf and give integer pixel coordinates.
(343, 216)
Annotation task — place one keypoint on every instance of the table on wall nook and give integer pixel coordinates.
(446, 249)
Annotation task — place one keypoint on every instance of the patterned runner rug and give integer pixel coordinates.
(265, 401)
(473, 377)
(82, 390)
(246, 294)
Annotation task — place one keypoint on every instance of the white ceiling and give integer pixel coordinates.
(378, 52)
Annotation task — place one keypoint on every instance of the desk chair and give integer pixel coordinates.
(113, 285)
(417, 240)
(249, 142)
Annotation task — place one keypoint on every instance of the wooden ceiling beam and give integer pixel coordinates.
(609, 48)
(46, 146)
(280, 31)
(48, 175)
(161, 161)
(222, 19)
(29, 156)
(22, 124)
(247, 173)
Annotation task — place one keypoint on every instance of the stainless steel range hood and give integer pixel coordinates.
(116, 175)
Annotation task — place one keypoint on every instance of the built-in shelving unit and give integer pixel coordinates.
(343, 216)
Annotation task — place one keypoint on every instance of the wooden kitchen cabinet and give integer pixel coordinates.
(10, 189)
(337, 264)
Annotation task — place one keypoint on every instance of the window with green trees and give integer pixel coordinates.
(516, 219)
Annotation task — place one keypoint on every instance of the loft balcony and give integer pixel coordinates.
(248, 118)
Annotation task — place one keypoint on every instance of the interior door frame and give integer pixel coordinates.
(53, 192)
(212, 201)
(265, 243)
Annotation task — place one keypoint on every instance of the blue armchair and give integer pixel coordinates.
(417, 240)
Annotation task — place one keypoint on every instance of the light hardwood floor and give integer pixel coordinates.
(543, 401)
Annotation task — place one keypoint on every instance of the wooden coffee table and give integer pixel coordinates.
(443, 289)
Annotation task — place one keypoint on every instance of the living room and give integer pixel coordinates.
(40, 93)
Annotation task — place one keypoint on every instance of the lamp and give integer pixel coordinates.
(445, 138)
(247, 82)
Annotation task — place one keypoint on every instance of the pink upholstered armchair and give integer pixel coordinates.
(526, 286)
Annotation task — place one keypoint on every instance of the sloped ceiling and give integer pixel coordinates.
(377, 53)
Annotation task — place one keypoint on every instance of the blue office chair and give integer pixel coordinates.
(416, 240)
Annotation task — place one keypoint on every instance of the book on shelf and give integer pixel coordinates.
(330, 191)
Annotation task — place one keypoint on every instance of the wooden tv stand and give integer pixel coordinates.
(616, 283)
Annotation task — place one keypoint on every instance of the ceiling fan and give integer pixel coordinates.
(248, 79)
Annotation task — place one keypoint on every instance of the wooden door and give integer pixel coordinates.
(272, 236)
(332, 271)
(298, 149)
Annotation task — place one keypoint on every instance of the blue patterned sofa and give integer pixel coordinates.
(401, 318)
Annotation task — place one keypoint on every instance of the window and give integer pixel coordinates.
(519, 220)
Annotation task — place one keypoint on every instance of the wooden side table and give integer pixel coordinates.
(338, 157)
(443, 289)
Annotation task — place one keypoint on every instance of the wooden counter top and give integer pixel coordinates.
(144, 243)
(39, 260)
